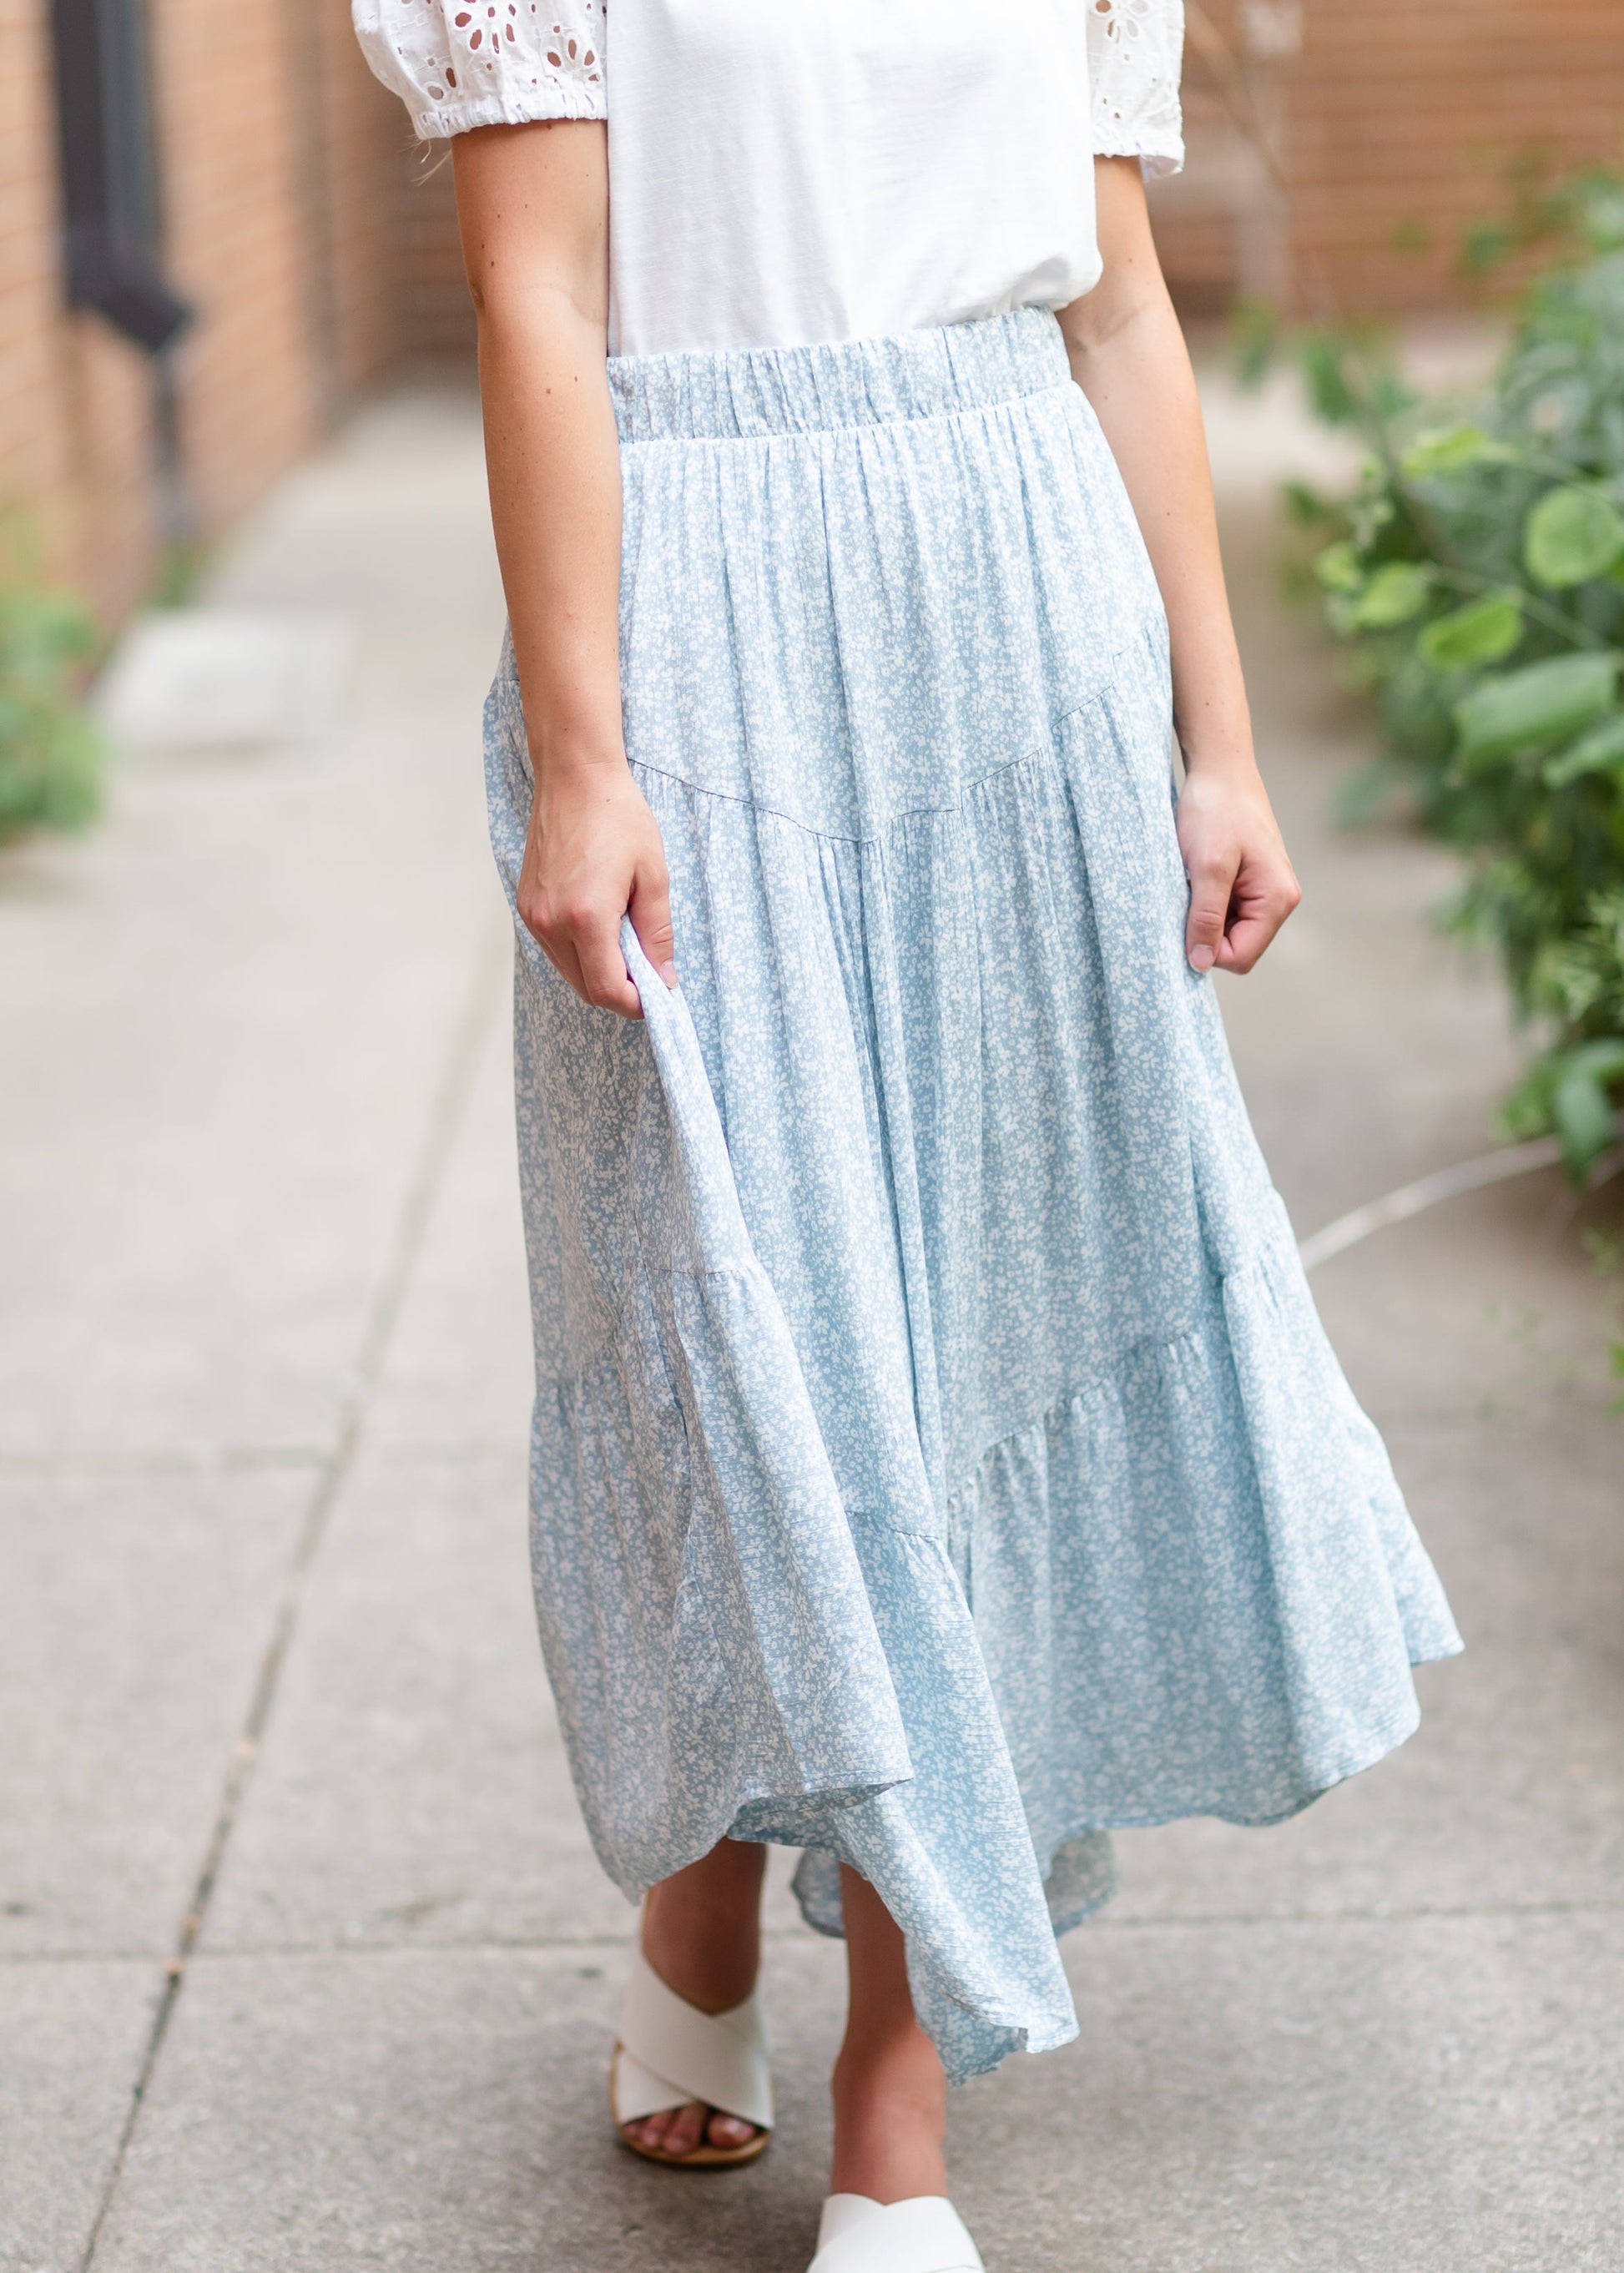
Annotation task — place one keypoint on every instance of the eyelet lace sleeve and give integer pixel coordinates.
(461, 63)
(1135, 49)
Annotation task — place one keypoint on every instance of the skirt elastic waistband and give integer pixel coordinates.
(737, 393)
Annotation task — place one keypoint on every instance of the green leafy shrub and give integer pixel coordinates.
(1477, 574)
(49, 753)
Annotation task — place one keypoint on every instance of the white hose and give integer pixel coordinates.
(1425, 1192)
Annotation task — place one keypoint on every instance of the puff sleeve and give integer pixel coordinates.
(1135, 52)
(461, 64)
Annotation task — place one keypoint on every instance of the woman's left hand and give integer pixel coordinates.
(1128, 356)
(1242, 886)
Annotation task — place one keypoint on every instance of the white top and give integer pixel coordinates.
(788, 171)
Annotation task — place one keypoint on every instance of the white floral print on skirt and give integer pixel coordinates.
(937, 1457)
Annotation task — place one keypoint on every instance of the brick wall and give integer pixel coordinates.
(355, 167)
(1392, 126)
(240, 246)
(72, 398)
(434, 317)
(280, 167)
(1389, 165)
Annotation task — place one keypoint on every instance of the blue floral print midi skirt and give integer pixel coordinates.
(937, 1457)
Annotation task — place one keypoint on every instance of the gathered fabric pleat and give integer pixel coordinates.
(938, 1459)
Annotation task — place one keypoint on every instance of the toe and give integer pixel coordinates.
(678, 2130)
(684, 2128)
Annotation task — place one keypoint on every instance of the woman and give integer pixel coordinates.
(938, 1459)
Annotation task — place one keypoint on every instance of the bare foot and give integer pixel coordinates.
(701, 1935)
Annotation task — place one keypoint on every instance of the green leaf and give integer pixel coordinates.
(1483, 632)
(1369, 791)
(1533, 707)
(1255, 333)
(1306, 506)
(1571, 536)
(1485, 246)
(1390, 395)
(1526, 1111)
(1580, 1106)
(1397, 591)
(1598, 752)
(1338, 568)
(49, 755)
(1602, 1060)
(1601, 215)
(1367, 519)
(1334, 396)
(1450, 450)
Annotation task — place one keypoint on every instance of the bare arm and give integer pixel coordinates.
(533, 209)
(1128, 356)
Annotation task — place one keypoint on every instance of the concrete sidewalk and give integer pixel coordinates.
(306, 1964)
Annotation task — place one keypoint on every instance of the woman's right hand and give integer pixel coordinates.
(594, 854)
(533, 209)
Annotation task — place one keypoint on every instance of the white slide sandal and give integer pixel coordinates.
(924, 2234)
(669, 2052)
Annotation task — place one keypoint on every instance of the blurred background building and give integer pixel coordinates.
(1336, 154)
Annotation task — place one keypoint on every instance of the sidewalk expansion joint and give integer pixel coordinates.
(446, 1111)
(562, 1945)
(162, 1460)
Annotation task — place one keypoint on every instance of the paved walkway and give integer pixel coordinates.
(305, 1962)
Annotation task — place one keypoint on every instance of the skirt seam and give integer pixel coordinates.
(1059, 1407)
(1091, 700)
